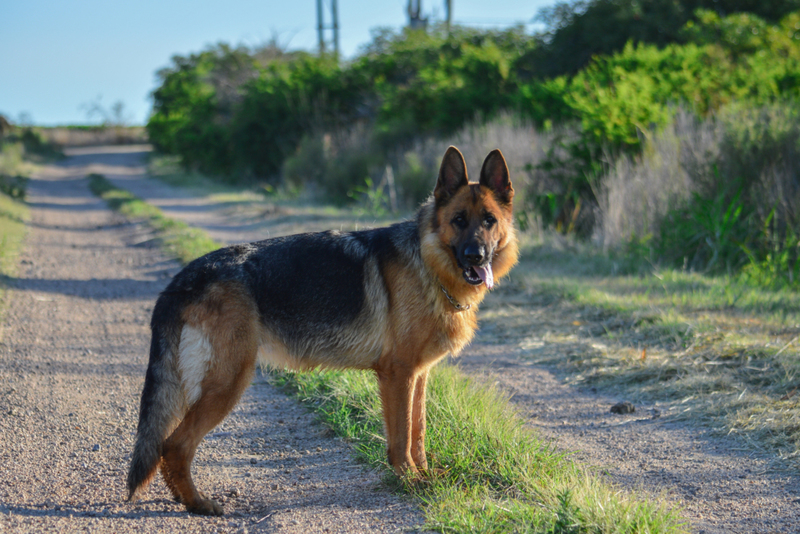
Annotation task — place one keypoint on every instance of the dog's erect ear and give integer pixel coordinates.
(494, 175)
(452, 175)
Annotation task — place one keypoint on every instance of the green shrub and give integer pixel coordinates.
(578, 31)
(14, 186)
(307, 163)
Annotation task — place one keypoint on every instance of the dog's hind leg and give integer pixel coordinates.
(229, 374)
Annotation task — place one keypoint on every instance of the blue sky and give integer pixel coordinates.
(58, 56)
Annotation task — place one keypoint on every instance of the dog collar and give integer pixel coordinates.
(457, 305)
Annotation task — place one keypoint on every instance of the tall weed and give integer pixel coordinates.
(637, 193)
(713, 194)
(341, 161)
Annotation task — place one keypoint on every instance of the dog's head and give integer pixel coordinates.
(475, 220)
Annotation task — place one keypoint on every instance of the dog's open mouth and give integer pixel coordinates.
(476, 275)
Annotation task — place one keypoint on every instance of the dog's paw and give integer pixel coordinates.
(202, 506)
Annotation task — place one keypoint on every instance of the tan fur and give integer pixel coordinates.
(404, 365)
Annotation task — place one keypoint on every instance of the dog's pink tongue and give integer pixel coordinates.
(486, 275)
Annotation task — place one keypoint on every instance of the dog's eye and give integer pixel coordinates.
(488, 221)
(460, 221)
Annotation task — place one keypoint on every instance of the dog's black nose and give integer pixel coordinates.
(474, 254)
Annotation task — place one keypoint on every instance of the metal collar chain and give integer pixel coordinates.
(458, 306)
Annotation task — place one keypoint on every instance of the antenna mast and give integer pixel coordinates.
(334, 25)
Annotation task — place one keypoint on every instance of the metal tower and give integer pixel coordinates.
(334, 25)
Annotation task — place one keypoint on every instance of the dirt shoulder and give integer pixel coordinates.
(73, 352)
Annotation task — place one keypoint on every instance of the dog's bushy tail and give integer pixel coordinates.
(162, 399)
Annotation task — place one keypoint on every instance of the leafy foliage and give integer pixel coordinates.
(619, 99)
(580, 31)
(15, 186)
(271, 115)
(230, 112)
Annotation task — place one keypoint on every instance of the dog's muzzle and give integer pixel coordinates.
(478, 263)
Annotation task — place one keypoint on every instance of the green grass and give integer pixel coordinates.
(178, 238)
(13, 211)
(714, 349)
(11, 158)
(495, 475)
(13, 215)
(263, 200)
(167, 169)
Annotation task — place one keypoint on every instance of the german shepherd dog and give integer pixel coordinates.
(395, 300)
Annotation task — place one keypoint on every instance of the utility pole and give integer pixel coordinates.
(448, 10)
(335, 17)
(415, 19)
(321, 27)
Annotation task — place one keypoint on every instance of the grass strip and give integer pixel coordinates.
(13, 214)
(178, 238)
(493, 476)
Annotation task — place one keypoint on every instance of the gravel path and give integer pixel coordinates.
(720, 487)
(73, 351)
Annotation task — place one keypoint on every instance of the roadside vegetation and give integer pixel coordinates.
(178, 238)
(673, 145)
(491, 473)
(20, 149)
(92, 135)
(13, 214)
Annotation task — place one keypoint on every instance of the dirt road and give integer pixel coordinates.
(73, 351)
(80, 313)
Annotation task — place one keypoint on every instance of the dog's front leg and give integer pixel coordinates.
(397, 393)
(418, 422)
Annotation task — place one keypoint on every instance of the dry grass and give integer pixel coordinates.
(636, 194)
(752, 151)
(523, 146)
(66, 136)
(722, 353)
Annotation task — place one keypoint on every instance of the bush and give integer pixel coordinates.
(618, 99)
(434, 83)
(15, 187)
(578, 31)
(714, 194)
